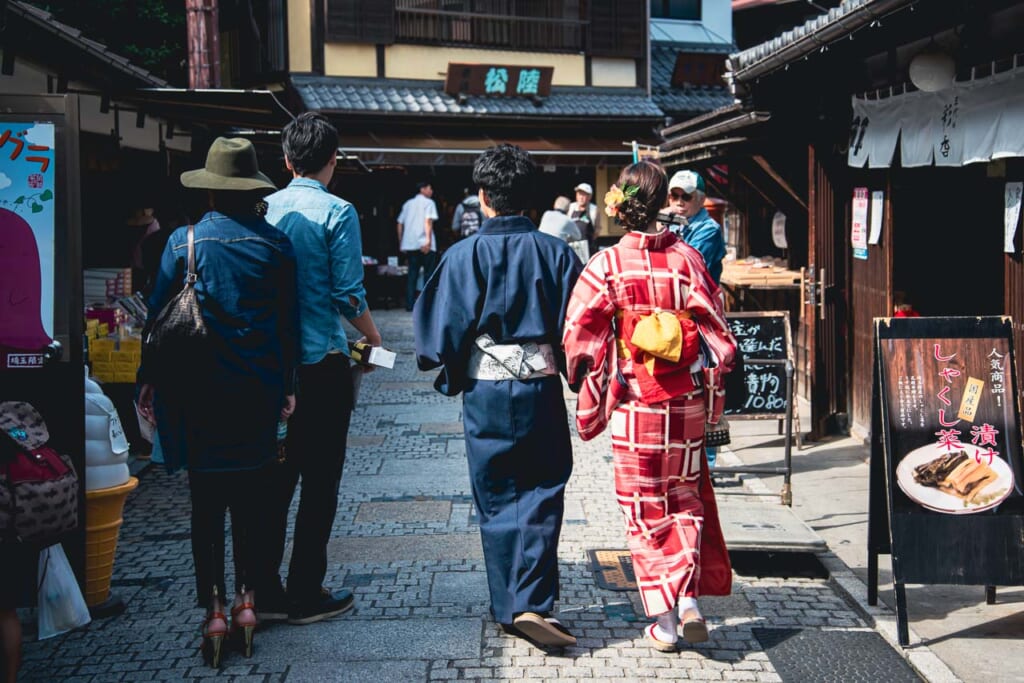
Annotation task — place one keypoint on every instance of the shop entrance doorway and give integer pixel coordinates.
(948, 241)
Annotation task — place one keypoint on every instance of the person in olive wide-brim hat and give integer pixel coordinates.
(217, 409)
(230, 165)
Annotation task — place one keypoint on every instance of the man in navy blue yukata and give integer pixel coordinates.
(491, 318)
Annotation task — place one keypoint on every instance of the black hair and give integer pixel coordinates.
(309, 142)
(241, 204)
(421, 184)
(506, 174)
(638, 210)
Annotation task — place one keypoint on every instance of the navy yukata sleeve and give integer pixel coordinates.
(444, 317)
(570, 274)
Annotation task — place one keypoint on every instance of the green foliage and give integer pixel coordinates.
(33, 201)
(149, 32)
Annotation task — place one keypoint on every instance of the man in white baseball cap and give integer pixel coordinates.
(686, 195)
(585, 214)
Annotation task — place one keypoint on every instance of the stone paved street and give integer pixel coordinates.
(406, 543)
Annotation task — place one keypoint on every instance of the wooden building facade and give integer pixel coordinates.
(828, 111)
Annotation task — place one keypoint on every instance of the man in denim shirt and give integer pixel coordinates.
(324, 230)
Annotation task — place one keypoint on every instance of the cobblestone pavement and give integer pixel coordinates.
(406, 542)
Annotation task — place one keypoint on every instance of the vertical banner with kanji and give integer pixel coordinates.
(27, 242)
(859, 223)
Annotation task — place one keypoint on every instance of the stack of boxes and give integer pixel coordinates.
(106, 284)
(113, 358)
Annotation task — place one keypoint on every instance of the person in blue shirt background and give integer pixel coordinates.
(686, 195)
(324, 231)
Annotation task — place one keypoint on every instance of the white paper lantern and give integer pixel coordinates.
(932, 70)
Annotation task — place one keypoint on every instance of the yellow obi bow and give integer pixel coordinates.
(660, 335)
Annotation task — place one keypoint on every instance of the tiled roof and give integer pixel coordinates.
(693, 99)
(427, 98)
(71, 34)
(837, 22)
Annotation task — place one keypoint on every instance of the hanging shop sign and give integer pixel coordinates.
(779, 230)
(970, 122)
(1011, 214)
(500, 80)
(946, 469)
(877, 209)
(859, 223)
(27, 242)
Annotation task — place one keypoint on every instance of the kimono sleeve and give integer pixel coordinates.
(444, 318)
(588, 340)
(704, 301)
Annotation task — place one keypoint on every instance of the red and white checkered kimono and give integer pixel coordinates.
(661, 484)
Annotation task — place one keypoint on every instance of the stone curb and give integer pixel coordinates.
(917, 654)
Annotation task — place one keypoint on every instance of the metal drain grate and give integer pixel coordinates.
(811, 655)
(613, 569)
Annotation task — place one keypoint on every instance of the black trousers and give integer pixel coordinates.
(315, 452)
(243, 492)
(418, 260)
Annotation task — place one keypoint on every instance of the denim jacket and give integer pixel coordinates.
(246, 288)
(704, 234)
(324, 230)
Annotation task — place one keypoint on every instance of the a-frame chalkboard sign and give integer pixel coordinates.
(761, 385)
(945, 492)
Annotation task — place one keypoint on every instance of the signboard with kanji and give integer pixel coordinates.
(946, 462)
(498, 80)
(753, 388)
(27, 241)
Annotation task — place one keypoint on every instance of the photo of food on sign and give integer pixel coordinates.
(956, 482)
(953, 430)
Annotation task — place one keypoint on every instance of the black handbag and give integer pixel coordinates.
(38, 486)
(717, 434)
(177, 333)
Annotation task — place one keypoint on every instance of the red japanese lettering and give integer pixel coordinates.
(942, 358)
(948, 438)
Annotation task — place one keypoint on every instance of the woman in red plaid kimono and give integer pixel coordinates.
(646, 342)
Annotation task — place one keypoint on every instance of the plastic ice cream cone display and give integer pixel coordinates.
(103, 510)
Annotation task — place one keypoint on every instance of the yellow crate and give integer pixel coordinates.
(102, 366)
(99, 355)
(130, 345)
(103, 376)
(101, 345)
(127, 377)
(104, 330)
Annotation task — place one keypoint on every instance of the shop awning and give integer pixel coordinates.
(705, 136)
(971, 122)
(218, 109)
(434, 149)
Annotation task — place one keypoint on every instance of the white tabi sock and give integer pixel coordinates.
(684, 604)
(665, 628)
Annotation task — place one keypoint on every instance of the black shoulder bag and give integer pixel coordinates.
(172, 338)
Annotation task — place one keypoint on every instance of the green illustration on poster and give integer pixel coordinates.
(27, 214)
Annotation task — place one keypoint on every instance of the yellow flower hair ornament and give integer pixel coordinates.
(614, 198)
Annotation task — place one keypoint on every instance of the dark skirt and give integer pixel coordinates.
(19, 569)
(219, 426)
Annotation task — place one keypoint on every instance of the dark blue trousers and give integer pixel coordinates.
(520, 458)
